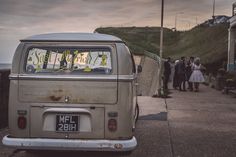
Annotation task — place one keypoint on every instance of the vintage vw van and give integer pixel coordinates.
(72, 91)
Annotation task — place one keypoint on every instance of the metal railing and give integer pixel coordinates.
(152, 55)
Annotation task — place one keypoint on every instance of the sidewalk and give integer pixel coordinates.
(188, 124)
(202, 124)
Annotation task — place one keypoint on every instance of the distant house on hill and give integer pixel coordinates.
(217, 20)
(232, 42)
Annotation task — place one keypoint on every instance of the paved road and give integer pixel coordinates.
(202, 124)
(187, 125)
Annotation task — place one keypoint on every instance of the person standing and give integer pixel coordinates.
(197, 77)
(175, 79)
(189, 72)
(167, 72)
(182, 74)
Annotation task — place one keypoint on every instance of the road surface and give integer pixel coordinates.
(188, 124)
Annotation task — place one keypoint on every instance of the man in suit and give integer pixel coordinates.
(182, 74)
(176, 78)
(167, 72)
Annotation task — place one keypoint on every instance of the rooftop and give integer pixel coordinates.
(53, 37)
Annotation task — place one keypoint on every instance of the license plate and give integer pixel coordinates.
(67, 123)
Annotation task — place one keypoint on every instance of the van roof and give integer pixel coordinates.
(67, 37)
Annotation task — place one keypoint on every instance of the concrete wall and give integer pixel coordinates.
(4, 95)
(149, 78)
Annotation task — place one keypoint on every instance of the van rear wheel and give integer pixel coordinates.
(125, 153)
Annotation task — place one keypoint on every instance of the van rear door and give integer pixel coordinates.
(67, 90)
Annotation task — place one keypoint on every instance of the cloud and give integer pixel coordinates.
(21, 18)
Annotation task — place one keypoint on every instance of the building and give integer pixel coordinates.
(232, 42)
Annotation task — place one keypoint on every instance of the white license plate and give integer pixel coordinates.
(67, 123)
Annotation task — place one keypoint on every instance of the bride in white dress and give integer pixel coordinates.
(196, 77)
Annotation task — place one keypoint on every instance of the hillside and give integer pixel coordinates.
(208, 43)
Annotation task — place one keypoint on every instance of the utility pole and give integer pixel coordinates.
(161, 35)
(213, 15)
(158, 92)
(176, 19)
(189, 25)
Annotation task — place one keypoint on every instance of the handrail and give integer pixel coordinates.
(152, 55)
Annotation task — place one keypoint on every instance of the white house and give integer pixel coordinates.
(232, 42)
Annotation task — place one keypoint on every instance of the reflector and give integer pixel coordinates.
(112, 125)
(21, 122)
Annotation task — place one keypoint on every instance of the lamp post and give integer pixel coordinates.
(187, 24)
(161, 34)
(176, 18)
(158, 92)
(213, 14)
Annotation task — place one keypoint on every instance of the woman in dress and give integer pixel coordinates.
(196, 77)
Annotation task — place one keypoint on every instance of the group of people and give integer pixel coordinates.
(184, 71)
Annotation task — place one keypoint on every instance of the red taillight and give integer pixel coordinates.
(112, 125)
(21, 122)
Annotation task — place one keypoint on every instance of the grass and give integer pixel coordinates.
(208, 43)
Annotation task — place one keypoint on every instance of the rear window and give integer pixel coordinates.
(69, 60)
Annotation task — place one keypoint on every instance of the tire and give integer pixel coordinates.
(126, 153)
(28, 151)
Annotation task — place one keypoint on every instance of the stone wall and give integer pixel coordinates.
(4, 95)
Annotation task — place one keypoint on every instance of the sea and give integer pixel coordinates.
(4, 66)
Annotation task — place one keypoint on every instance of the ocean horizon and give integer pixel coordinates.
(5, 66)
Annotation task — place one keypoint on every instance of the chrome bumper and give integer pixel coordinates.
(70, 144)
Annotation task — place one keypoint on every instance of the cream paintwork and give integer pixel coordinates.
(93, 97)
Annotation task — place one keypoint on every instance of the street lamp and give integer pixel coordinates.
(188, 23)
(213, 14)
(176, 17)
(161, 35)
(158, 92)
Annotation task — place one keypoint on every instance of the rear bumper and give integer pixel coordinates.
(70, 144)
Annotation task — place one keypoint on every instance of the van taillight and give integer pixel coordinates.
(112, 125)
(21, 122)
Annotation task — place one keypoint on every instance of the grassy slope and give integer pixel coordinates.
(208, 43)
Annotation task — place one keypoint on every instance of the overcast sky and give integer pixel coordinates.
(22, 18)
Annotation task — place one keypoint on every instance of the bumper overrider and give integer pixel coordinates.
(70, 144)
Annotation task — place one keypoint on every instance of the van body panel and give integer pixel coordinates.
(17, 59)
(78, 92)
(124, 119)
(45, 125)
(124, 60)
(13, 109)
